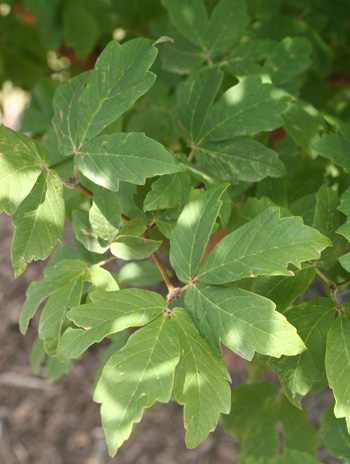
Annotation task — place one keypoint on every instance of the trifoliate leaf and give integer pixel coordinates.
(200, 381)
(101, 279)
(130, 157)
(22, 160)
(105, 214)
(239, 159)
(128, 247)
(141, 273)
(191, 234)
(247, 107)
(135, 377)
(297, 374)
(108, 313)
(39, 222)
(244, 322)
(263, 246)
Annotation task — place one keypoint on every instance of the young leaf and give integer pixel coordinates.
(288, 59)
(194, 98)
(227, 25)
(21, 161)
(190, 19)
(39, 222)
(191, 234)
(105, 214)
(200, 381)
(86, 235)
(263, 246)
(338, 365)
(247, 107)
(297, 374)
(335, 435)
(244, 322)
(128, 247)
(56, 276)
(108, 313)
(170, 191)
(239, 159)
(336, 148)
(54, 313)
(135, 377)
(130, 157)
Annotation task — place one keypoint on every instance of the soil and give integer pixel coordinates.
(57, 423)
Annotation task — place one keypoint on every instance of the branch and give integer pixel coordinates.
(163, 271)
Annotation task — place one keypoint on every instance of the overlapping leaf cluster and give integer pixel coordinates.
(198, 154)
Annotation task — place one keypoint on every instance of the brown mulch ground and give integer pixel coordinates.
(43, 423)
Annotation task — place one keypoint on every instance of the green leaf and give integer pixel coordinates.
(81, 29)
(200, 381)
(191, 234)
(109, 312)
(256, 412)
(91, 102)
(292, 456)
(84, 232)
(65, 103)
(327, 221)
(194, 98)
(22, 159)
(141, 273)
(344, 206)
(239, 159)
(247, 107)
(55, 368)
(338, 365)
(263, 246)
(38, 222)
(119, 78)
(288, 59)
(190, 19)
(56, 276)
(297, 374)
(170, 191)
(128, 247)
(134, 227)
(54, 313)
(335, 435)
(37, 355)
(101, 279)
(244, 322)
(105, 214)
(282, 290)
(298, 432)
(130, 157)
(303, 123)
(227, 25)
(336, 148)
(135, 377)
